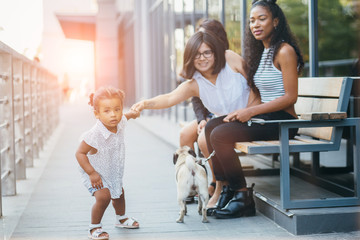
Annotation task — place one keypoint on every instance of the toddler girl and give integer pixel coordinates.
(101, 156)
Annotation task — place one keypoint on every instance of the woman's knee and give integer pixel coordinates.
(212, 124)
(188, 135)
(222, 136)
(202, 144)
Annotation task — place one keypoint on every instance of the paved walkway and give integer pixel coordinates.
(52, 203)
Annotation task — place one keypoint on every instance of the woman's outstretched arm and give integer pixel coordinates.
(184, 91)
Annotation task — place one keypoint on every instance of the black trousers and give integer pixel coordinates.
(221, 137)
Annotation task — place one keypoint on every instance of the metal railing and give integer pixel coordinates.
(29, 113)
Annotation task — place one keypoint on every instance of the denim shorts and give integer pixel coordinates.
(93, 190)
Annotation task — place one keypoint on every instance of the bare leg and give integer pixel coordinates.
(216, 193)
(102, 197)
(119, 206)
(203, 147)
(215, 197)
(188, 134)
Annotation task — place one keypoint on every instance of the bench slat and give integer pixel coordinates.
(326, 87)
(306, 105)
(322, 133)
(308, 140)
(244, 146)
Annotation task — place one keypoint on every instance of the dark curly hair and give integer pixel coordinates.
(282, 34)
(105, 93)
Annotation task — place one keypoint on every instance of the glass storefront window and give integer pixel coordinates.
(214, 9)
(232, 24)
(188, 5)
(296, 13)
(338, 37)
(178, 6)
(179, 46)
(200, 6)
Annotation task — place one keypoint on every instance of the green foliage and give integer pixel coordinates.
(296, 13)
(337, 36)
(233, 33)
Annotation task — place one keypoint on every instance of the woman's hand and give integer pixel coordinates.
(95, 180)
(241, 115)
(138, 107)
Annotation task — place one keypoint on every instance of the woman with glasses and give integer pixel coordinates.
(193, 131)
(215, 75)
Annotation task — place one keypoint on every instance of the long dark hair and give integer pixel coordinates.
(216, 27)
(192, 47)
(282, 34)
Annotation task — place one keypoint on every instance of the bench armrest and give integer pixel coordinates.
(313, 116)
(300, 123)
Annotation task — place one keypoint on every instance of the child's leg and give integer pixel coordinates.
(119, 206)
(102, 197)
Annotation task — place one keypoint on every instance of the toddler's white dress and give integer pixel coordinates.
(110, 157)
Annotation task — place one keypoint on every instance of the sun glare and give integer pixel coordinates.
(78, 57)
(78, 65)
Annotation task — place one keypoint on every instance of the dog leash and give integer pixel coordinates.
(211, 155)
(201, 162)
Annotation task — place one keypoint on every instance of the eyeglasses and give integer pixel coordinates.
(206, 54)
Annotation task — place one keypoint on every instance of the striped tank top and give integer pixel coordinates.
(268, 79)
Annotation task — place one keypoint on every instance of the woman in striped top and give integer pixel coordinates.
(274, 62)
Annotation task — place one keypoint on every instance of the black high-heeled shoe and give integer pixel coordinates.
(242, 204)
(225, 196)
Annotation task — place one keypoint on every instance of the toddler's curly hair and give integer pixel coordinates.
(105, 93)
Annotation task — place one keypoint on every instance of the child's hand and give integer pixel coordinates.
(134, 113)
(95, 180)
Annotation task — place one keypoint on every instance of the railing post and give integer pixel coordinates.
(41, 119)
(18, 106)
(34, 111)
(28, 133)
(7, 128)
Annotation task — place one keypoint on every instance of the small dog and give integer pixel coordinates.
(191, 179)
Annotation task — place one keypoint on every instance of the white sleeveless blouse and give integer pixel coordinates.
(230, 92)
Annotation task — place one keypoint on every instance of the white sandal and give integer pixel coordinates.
(96, 234)
(127, 224)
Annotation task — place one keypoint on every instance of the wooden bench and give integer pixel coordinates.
(322, 105)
